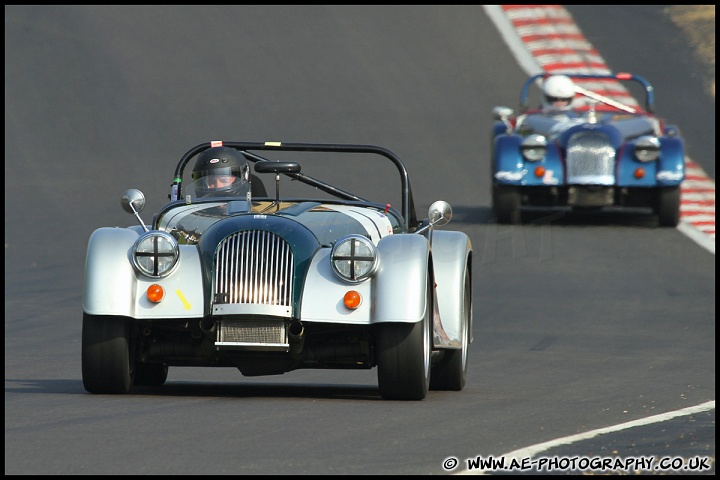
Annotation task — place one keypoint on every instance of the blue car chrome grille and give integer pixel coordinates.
(590, 159)
(253, 267)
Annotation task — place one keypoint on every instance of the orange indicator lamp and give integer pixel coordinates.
(352, 299)
(155, 293)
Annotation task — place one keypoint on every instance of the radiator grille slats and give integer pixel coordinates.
(590, 159)
(253, 267)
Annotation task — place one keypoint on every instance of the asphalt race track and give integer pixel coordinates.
(579, 323)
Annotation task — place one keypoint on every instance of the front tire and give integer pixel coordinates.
(450, 373)
(667, 206)
(403, 356)
(150, 374)
(107, 366)
(506, 203)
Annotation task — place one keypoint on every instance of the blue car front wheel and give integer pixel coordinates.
(506, 203)
(667, 206)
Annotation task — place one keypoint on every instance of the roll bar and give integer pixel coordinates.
(408, 205)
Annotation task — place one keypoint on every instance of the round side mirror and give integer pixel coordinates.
(502, 113)
(440, 213)
(133, 201)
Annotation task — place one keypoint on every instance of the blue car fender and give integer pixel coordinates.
(512, 169)
(508, 163)
(553, 170)
(671, 165)
(628, 164)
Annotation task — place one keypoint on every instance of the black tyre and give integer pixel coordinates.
(107, 366)
(506, 203)
(403, 356)
(667, 206)
(150, 374)
(450, 372)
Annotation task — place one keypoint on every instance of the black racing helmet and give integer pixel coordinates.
(221, 172)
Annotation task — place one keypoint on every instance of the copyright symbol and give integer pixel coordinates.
(450, 463)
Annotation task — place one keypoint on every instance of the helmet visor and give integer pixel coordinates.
(558, 99)
(216, 181)
(220, 184)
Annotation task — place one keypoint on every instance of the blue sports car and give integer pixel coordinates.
(589, 153)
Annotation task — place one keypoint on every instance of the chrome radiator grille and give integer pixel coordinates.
(590, 160)
(253, 267)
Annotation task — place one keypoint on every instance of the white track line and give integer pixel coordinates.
(535, 450)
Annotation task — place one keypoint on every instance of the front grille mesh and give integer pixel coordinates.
(590, 159)
(258, 333)
(253, 267)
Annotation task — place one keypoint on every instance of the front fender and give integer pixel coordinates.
(396, 293)
(511, 168)
(323, 292)
(113, 287)
(109, 276)
(671, 168)
(508, 163)
(451, 253)
(399, 291)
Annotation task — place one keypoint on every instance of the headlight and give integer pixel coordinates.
(155, 254)
(647, 148)
(354, 258)
(534, 147)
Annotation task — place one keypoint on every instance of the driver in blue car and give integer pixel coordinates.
(221, 172)
(558, 93)
(557, 110)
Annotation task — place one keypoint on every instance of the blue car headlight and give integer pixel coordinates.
(534, 147)
(354, 258)
(647, 148)
(155, 254)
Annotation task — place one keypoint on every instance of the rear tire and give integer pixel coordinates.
(107, 366)
(403, 356)
(667, 206)
(506, 203)
(450, 373)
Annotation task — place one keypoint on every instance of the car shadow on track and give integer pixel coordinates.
(264, 390)
(205, 389)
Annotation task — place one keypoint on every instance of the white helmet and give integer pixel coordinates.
(558, 88)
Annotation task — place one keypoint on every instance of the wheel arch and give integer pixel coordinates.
(452, 261)
(109, 276)
(399, 287)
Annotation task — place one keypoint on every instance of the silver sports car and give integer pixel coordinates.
(309, 275)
